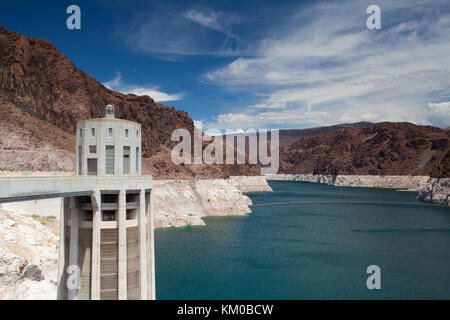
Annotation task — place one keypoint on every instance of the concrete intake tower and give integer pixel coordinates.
(106, 245)
(109, 235)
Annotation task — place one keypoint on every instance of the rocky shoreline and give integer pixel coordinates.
(179, 203)
(28, 243)
(250, 184)
(435, 190)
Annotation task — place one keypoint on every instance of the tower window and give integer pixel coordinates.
(126, 133)
(109, 132)
(126, 160)
(92, 167)
(79, 160)
(109, 160)
(137, 133)
(137, 160)
(93, 132)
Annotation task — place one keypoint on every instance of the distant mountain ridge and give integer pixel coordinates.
(378, 149)
(289, 136)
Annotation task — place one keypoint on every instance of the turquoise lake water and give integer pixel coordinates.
(310, 251)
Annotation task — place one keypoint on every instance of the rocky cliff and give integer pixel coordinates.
(250, 184)
(436, 190)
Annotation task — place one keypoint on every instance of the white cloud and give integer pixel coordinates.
(158, 96)
(118, 85)
(207, 19)
(333, 69)
(439, 113)
(275, 105)
(171, 33)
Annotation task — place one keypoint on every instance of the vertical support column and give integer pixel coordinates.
(132, 144)
(61, 250)
(143, 284)
(118, 151)
(73, 254)
(101, 150)
(139, 145)
(122, 221)
(95, 268)
(84, 151)
(150, 249)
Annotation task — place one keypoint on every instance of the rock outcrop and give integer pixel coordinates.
(28, 256)
(184, 202)
(250, 184)
(436, 190)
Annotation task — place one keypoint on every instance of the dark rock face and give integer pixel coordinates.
(378, 149)
(33, 273)
(38, 78)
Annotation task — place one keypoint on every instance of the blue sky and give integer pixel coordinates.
(260, 64)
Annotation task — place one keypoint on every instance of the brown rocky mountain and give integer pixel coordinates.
(38, 79)
(292, 135)
(25, 144)
(288, 136)
(378, 149)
